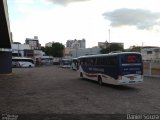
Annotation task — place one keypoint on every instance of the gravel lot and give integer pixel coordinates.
(51, 89)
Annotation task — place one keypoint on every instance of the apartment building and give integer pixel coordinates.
(33, 42)
(76, 44)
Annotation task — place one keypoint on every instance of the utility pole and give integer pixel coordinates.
(141, 47)
(18, 50)
(109, 38)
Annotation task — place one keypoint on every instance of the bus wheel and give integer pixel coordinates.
(99, 80)
(81, 75)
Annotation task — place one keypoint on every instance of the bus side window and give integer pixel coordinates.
(85, 61)
(98, 61)
(105, 61)
(89, 61)
(111, 61)
(94, 61)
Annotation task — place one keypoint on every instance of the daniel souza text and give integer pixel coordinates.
(143, 116)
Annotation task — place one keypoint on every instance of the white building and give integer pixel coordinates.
(24, 50)
(76, 43)
(150, 53)
(49, 44)
(18, 48)
(87, 51)
(38, 53)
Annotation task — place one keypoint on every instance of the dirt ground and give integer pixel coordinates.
(54, 90)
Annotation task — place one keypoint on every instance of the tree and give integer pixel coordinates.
(47, 50)
(135, 48)
(56, 50)
(112, 47)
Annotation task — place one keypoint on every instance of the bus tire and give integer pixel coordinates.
(99, 80)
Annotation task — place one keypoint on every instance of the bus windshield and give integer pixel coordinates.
(131, 64)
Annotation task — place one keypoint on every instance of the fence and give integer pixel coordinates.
(151, 69)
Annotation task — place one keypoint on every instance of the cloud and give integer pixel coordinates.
(142, 19)
(24, 1)
(65, 2)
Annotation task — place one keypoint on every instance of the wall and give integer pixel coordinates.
(5, 62)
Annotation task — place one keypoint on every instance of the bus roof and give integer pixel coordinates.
(110, 54)
(66, 59)
(21, 58)
(74, 58)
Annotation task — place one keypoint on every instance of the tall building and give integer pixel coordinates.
(49, 44)
(76, 43)
(33, 42)
(82, 43)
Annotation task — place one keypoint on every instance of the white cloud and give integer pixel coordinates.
(65, 2)
(142, 19)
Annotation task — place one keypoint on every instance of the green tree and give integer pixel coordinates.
(135, 48)
(47, 50)
(57, 49)
(111, 47)
(43, 49)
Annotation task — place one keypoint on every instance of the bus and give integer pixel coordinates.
(47, 60)
(74, 64)
(65, 63)
(22, 62)
(116, 68)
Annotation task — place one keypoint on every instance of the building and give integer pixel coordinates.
(49, 44)
(38, 53)
(87, 51)
(21, 50)
(33, 42)
(151, 53)
(101, 44)
(24, 50)
(82, 43)
(68, 53)
(77, 44)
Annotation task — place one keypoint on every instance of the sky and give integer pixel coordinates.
(132, 22)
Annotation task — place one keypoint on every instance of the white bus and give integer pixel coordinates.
(65, 63)
(115, 68)
(47, 60)
(22, 62)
